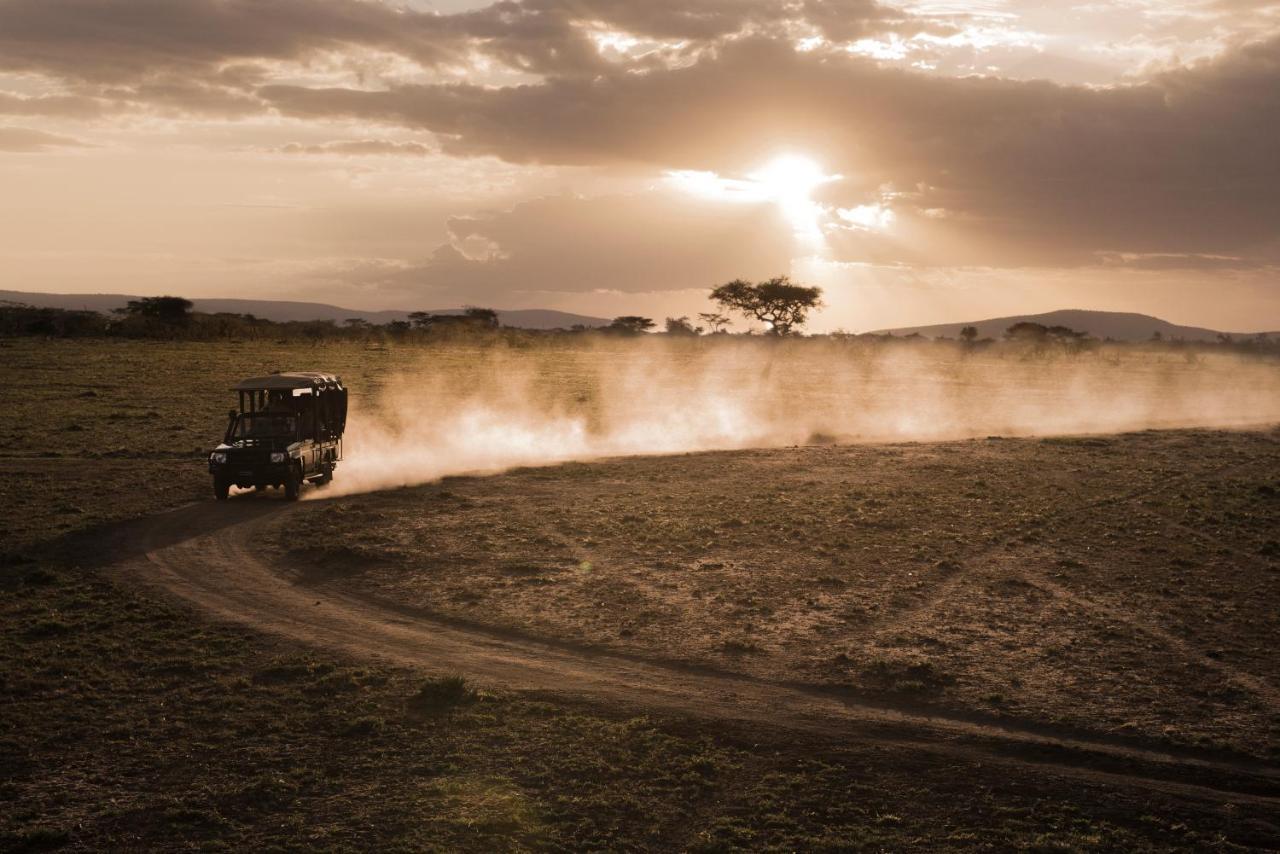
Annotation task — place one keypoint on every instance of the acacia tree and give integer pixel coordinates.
(630, 324)
(716, 322)
(486, 317)
(166, 309)
(776, 302)
(682, 326)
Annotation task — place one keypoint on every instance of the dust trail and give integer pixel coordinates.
(484, 409)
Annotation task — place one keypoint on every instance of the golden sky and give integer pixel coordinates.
(922, 162)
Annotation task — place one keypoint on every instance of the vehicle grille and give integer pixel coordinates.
(248, 456)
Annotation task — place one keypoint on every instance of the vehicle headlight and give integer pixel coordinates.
(277, 456)
(217, 457)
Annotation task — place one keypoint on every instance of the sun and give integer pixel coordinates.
(790, 179)
(790, 173)
(787, 180)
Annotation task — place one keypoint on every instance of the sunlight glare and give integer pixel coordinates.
(787, 180)
(790, 179)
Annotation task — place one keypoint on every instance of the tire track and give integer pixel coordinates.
(204, 554)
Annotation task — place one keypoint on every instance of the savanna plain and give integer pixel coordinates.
(624, 594)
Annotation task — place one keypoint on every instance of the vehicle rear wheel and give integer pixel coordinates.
(221, 489)
(326, 476)
(293, 484)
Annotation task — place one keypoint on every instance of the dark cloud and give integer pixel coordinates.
(26, 140)
(850, 20)
(1185, 162)
(1182, 164)
(126, 41)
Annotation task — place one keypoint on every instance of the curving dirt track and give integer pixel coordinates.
(203, 555)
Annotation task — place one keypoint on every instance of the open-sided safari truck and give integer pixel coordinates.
(287, 430)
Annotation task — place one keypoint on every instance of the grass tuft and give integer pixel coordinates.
(441, 695)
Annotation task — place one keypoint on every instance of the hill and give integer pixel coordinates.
(283, 310)
(1116, 325)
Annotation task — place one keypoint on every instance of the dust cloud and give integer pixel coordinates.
(476, 409)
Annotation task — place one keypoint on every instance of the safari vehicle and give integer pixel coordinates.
(287, 430)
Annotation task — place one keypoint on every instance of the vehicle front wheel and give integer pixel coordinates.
(293, 484)
(221, 489)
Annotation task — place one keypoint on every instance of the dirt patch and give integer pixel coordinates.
(1118, 585)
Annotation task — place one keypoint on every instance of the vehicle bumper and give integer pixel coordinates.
(259, 474)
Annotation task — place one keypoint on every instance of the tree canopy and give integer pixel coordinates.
(682, 326)
(472, 317)
(631, 324)
(166, 308)
(716, 322)
(1027, 330)
(486, 317)
(776, 302)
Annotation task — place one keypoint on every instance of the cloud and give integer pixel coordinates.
(58, 106)
(123, 42)
(654, 241)
(1178, 168)
(1184, 162)
(118, 41)
(359, 148)
(1174, 261)
(25, 140)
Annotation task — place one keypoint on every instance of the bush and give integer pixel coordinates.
(442, 694)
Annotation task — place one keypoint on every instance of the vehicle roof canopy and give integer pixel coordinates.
(291, 380)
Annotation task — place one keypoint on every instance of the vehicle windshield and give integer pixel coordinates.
(264, 426)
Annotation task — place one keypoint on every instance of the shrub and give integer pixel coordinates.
(442, 694)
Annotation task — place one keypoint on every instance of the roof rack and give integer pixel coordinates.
(291, 380)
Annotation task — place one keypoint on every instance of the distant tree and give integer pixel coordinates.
(316, 330)
(1027, 330)
(19, 319)
(776, 302)
(682, 326)
(165, 309)
(486, 317)
(631, 324)
(356, 323)
(472, 319)
(398, 327)
(969, 334)
(1065, 333)
(715, 321)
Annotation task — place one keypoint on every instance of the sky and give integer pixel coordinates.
(922, 162)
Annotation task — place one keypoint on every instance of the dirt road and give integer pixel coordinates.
(204, 555)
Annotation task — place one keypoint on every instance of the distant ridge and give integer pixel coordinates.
(283, 310)
(1116, 325)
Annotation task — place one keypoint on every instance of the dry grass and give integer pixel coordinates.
(1122, 584)
(131, 724)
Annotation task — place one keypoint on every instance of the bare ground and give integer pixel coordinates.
(211, 556)
(1119, 585)
(132, 720)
